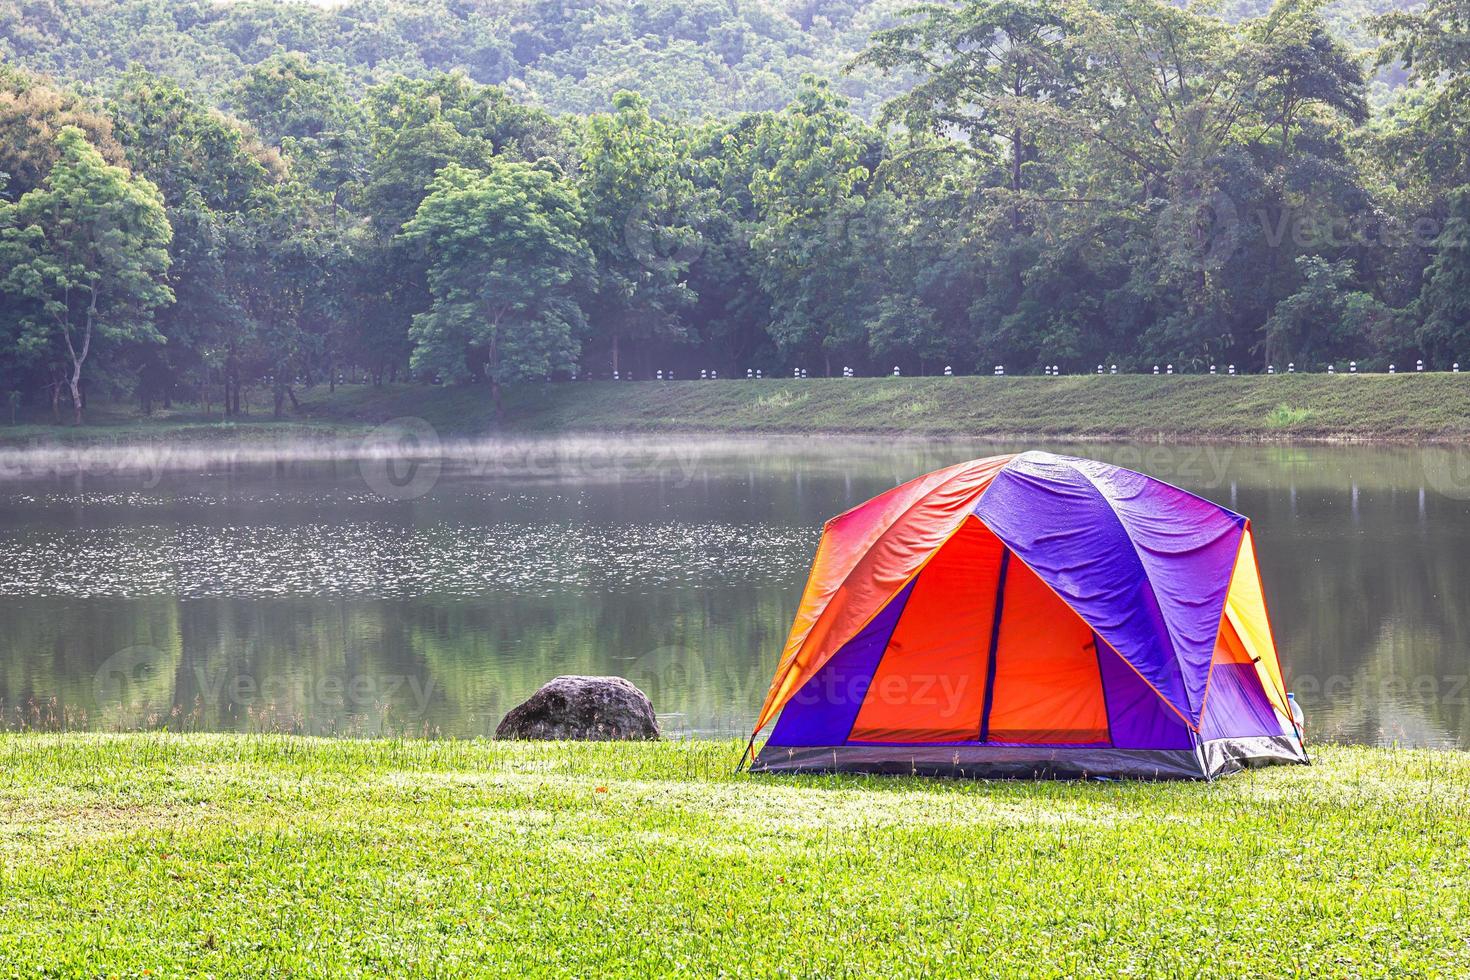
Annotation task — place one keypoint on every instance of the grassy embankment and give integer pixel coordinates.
(1398, 407)
(269, 855)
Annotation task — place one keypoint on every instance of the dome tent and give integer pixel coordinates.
(1031, 615)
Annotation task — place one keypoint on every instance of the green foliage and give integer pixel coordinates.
(640, 207)
(33, 112)
(565, 55)
(287, 96)
(1445, 301)
(214, 180)
(1311, 327)
(506, 262)
(1068, 182)
(811, 168)
(85, 253)
(1283, 416)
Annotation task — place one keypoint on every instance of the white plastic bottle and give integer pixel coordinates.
(1298, 718)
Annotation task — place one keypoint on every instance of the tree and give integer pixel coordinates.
(33, 112)
(1302, 68)
(639, 206)
(1445, 300)
(1325, 320)
(506, 260)
(985, 67)
(293, 292)
(904, 329)
(1431, 42)
(818, 235)
(289, 97)
(213, 176)
(414, 129)
(89, 249)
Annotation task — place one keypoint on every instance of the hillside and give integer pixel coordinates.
(699, 58)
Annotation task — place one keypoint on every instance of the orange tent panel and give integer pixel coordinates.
(1048, 686)
(927, 688)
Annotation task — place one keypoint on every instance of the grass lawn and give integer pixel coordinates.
(164, 855)
(1403, 407)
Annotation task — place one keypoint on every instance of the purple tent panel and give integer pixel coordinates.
(1145, 564)
(1237, 706)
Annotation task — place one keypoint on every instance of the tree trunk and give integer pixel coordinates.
(232, 383)
(79, 358)
(615, 354)
(492, 374)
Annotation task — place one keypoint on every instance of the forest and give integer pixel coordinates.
(202, 199)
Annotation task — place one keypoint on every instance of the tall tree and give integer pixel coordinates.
(1445, 300)
(89, 249)
(986, 71)
(1431, 42)
(640, 206)
(818, 231)
(212, 177)
(506, 261)
(33, 112)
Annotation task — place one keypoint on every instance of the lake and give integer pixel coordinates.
(356, 590)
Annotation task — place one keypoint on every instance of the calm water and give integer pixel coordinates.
(268, 589)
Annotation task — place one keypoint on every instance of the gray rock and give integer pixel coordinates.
(586, 709)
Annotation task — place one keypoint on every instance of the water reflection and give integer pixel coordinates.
(222, 591)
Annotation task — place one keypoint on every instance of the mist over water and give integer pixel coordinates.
(402, 584)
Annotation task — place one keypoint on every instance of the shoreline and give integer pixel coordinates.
(1406, 409)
